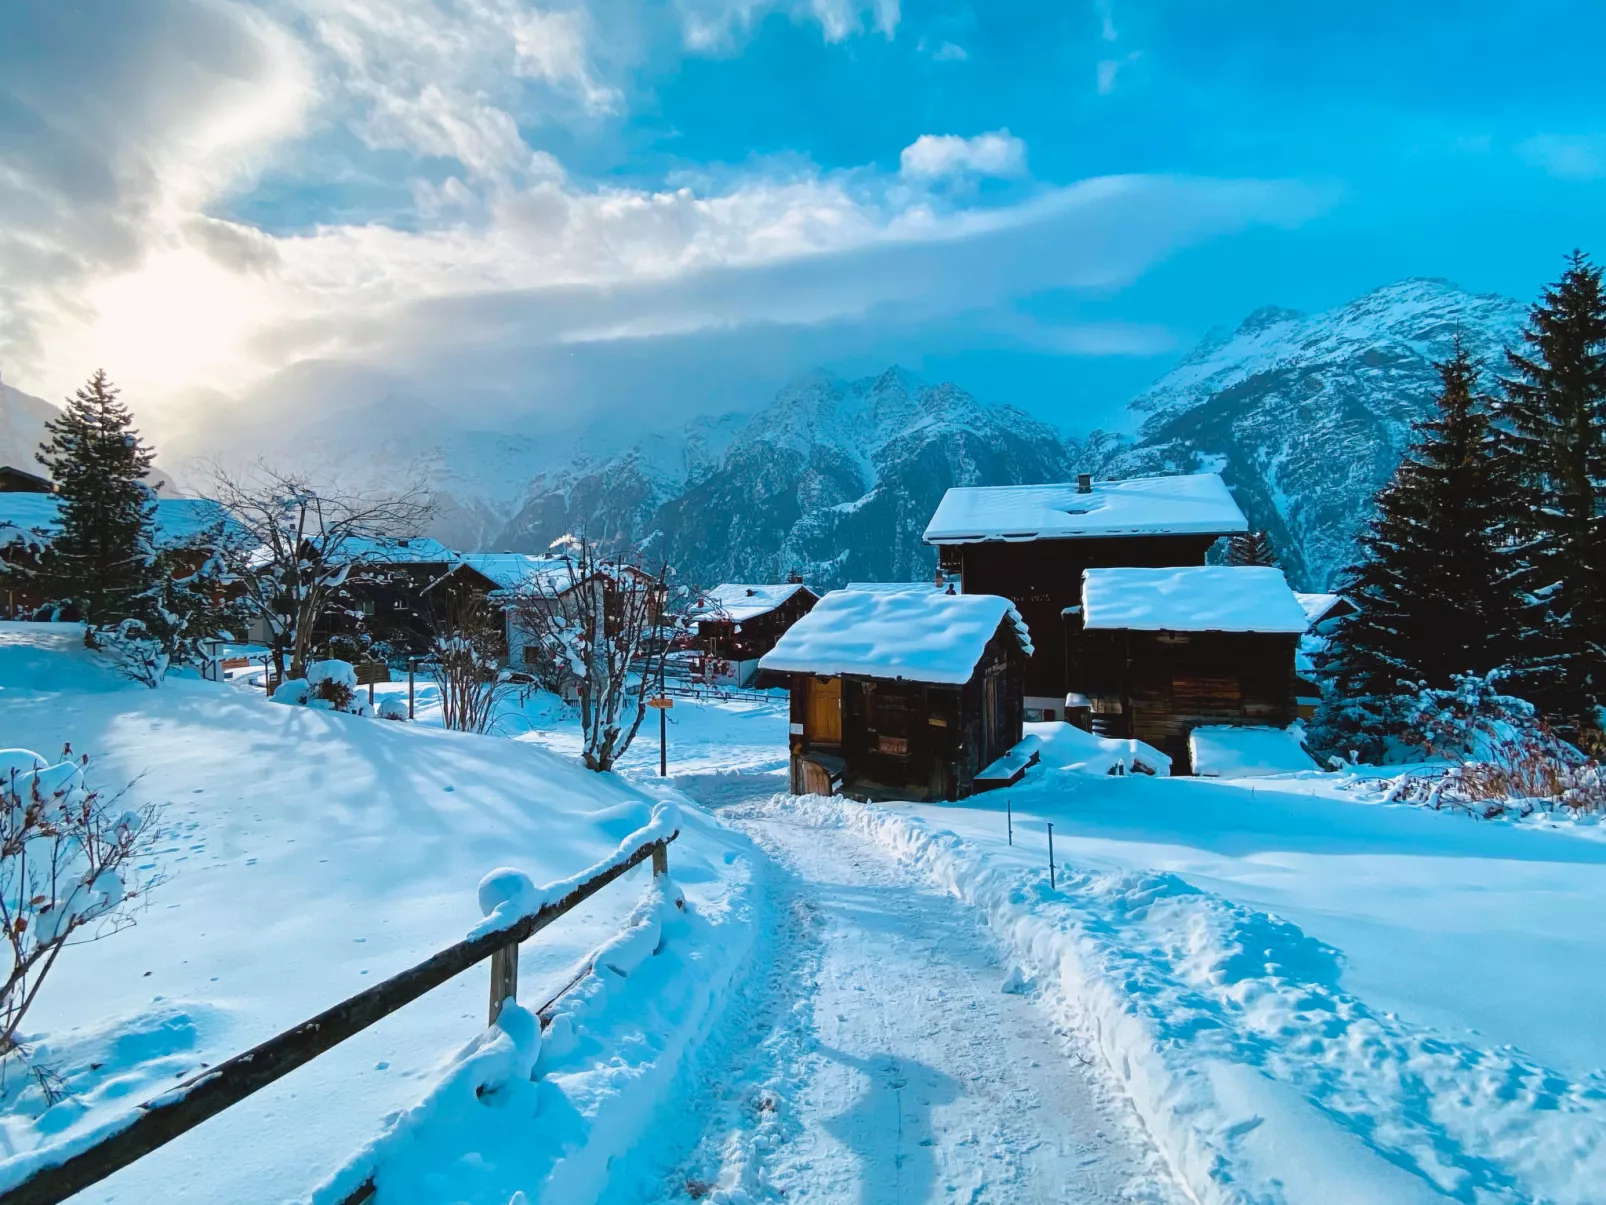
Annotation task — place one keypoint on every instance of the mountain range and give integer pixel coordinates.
(1305, 416)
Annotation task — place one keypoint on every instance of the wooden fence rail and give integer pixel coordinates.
(162, 1119)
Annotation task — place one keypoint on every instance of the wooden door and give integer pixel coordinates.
(990, 698)
(824, 723)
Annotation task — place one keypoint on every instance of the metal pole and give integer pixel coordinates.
(1009, 817)
(663, 743)
(412, 662)
(1051, 857)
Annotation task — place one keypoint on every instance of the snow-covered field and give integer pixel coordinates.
(310, 855)
(1247, 990)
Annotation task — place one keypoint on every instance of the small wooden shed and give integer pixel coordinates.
(902, 695)
(1158, 652)
(737, 622)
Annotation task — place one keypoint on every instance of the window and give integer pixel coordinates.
(367, 606)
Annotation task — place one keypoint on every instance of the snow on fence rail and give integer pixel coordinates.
(516, 910)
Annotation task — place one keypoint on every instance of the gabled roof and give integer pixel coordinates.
(1196, 504)
(738, 601)
(515, 570)
(1193, 598)
(919, 637)
(393, 550)
(29, 482)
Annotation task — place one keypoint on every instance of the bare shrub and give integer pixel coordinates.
(65, 857)
(1503, 758)
(600, 629)
(465, 664)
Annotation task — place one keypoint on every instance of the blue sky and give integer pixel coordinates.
(535, 215)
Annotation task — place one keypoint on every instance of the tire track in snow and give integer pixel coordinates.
(877, 1060)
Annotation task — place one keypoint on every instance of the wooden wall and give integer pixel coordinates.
(1159, 686)
(1043, 577)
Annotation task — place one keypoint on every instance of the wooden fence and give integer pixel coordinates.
(157, 1122)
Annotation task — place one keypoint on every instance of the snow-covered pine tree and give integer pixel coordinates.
(1552, 424)
(1251, 548)
(102, 559)
(1432, 588)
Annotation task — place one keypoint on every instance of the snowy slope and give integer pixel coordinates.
(1307, 415)
(22, 427)
(312, 854)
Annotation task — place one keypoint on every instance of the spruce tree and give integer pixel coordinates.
(101, 561)
(1553, 433)
(1251, 548)
(1432, 587)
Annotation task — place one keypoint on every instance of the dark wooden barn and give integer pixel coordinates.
(902, 695)
(1158, 652)
(738, 623)
(1032, 543)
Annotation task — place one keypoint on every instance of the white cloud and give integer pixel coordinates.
(715, 25)
(1571, 157)
(933, 156)
(1109, 70)
(950, 52)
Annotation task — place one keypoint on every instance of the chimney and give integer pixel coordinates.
(1084, 483)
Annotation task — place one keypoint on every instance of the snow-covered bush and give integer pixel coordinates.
(133, 651)
(67, 859)
(1502, 756)
(393, 707)
(328, 686)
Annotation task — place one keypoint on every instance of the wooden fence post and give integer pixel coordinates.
(660, 859)
(504, 978)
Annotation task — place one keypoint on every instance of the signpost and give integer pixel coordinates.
(662, 704)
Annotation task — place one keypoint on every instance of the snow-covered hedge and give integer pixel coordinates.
(328, 686)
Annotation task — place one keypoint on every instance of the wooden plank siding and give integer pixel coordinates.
(1159, 686)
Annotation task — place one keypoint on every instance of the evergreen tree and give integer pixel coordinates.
(101, 560)
(1432, 586)
(1553, 432)
(1251, 548)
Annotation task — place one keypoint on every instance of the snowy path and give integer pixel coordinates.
(879, 1061)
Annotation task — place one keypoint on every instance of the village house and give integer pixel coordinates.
(1031, 544)
(1154, 653)
(19, 481)
(738, 623)
(902, 694)
(28, 521)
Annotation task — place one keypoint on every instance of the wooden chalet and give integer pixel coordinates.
(1158, 652)
(902, 695)
(1032, 543)
(738, 623)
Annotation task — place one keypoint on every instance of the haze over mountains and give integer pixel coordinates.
(1305, 416)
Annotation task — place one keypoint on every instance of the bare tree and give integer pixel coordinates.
(468, 645)
(293, 544)
(66, 855)
(601, 626)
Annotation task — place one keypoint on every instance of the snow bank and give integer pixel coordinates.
(546, 1106)
(1261, 1079)
(1226, 751)
(1067, 747)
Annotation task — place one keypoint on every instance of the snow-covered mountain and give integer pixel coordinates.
(1307, 415)
(835, 479)
(22, 427)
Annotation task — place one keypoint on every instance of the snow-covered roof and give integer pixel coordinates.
(1195, 504)
(411, 550)
(1192, 598)
(177, 519)
(1318, 607)
(896, 587)
(921, 637)
(740, 601)
(512, 570)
